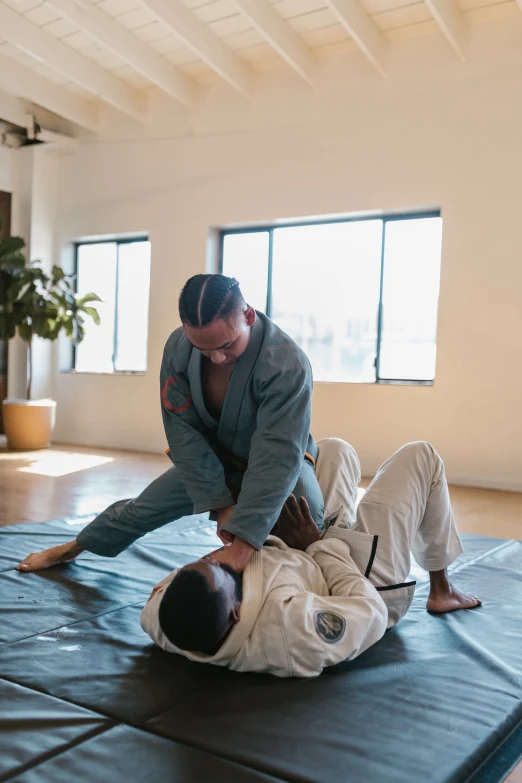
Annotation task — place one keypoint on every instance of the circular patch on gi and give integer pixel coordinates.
(329, 626)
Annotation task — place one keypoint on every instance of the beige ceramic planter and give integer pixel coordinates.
(28, 424)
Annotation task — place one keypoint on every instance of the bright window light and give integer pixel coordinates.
(410, 299)
(245, 257)
(325, 294)
(119, 272)
(97, 271)
(360, 296)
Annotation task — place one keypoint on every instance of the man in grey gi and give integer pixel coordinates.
(236, 403)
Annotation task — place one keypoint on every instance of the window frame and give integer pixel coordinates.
(104, 241)
(386, 218)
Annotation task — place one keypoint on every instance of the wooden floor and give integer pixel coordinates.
(65, 482)
(70, 481)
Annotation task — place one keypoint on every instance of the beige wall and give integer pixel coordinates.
(34, 192)
(436, 133)
(6, 159)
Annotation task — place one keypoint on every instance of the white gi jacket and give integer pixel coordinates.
(301, 611)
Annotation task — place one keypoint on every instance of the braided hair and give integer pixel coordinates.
(205, 298)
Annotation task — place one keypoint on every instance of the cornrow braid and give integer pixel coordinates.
(205, 298)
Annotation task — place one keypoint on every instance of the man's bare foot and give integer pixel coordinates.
(444, 597)
(451, 600)
(56, 555)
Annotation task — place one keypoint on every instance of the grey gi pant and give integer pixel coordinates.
(164, 501)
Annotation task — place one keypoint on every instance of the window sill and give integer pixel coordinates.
(429, 384)
(108, 374)
(386, 382)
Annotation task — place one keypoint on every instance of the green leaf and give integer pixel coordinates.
(92, 311)
(58, 273)
(11, 245)
(12, 262)
(88, 298)
(25, 331)
(36, 303)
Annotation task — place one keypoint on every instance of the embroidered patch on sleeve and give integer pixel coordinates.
(329, 626)
(173, 408)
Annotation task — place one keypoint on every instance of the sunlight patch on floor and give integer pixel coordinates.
(61, 463)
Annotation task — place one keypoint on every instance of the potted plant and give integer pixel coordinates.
(33, 304)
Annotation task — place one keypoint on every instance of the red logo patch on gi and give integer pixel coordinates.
(173, 408)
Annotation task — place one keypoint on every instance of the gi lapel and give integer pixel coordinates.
(194, 375)
(253, 598)
(237, 387)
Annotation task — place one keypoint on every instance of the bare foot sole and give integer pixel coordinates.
(451, 600)
(57, 555)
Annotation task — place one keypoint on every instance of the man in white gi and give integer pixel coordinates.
(313, 600)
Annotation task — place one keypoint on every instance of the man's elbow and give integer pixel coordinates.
(380, 618)
(377, 622)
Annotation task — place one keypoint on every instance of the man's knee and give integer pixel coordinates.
(422, 457)
(336, 456)
(333, 449)
(418, 449)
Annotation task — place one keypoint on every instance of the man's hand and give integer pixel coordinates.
(236, 555)
(223, 515)
(295, 525)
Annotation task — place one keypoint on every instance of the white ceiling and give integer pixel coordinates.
(68, 55)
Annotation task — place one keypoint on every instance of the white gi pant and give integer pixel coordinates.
(406, 509)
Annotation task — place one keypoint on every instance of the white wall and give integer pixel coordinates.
(34, 191)
(22, 162)
(436, 133)
(6, 158)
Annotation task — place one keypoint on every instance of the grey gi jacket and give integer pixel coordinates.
(265, 419)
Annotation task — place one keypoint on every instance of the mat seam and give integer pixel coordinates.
(67, 625)
(115, 723)
(148, 730)
(52, 755)
(42, 692)
(291, 779)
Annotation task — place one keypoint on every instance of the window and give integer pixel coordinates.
(119, 272)
(360, 296)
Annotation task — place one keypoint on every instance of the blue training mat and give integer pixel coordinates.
(86, 697)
